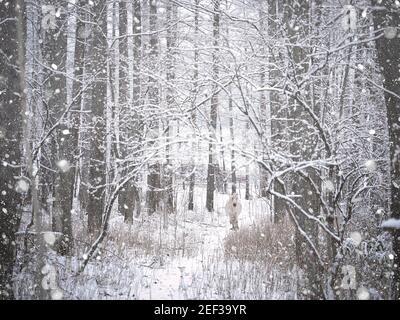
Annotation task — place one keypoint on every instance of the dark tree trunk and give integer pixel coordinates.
(211, 172)
(84, 56)
(278, 127)
(232, 134)
(97, 168)
(53, 47)
(153, 178)
(171, 53)
(78, 87)
(11, 124)
(129, 95)
(263, 108)
(303, 149)
(192, 180)
(388, 48)
(66, 134)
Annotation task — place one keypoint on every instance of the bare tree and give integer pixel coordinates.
(192, 179)
(11, 115)
(387, 21)
(98, 92)
(211, 171)
(154, 175)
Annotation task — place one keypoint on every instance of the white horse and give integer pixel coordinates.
(233, 208)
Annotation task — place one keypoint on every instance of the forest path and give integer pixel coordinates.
(170, 278)
(175, 278)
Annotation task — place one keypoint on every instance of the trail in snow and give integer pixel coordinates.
(170, 279)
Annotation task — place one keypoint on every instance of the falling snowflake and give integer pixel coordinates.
(54, 66)
(390, 33)
(66, 132)
(370, 165)
(356, 237)
(22, 186)
(372, 132)
(49, 237)
(362, 293)
(56, 294)
(63, 165)
(364, 13)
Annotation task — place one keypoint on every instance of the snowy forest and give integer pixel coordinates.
(200, 149)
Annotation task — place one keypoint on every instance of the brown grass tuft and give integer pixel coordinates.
(263, 242)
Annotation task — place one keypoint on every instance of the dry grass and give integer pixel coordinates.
(258, 264)
(263, 242)
(123, 236)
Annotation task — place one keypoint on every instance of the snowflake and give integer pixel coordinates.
(49, 237)
(362, 293)
(22, 186)
(370, 165)
(356, 237)
(56, 294)
(390, 33)
(364, 13)
(63, 165)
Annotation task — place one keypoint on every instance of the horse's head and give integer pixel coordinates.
(234, 199)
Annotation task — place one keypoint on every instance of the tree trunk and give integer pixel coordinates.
(213, 112)
(192, 179)
(64, 188)
(11, 111)
(388, 48)
(153, 178)
(232, 134)
(171, 52)
(311, 287)
(97, 169)
(278, 129)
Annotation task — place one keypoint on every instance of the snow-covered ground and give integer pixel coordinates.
(184, 257)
